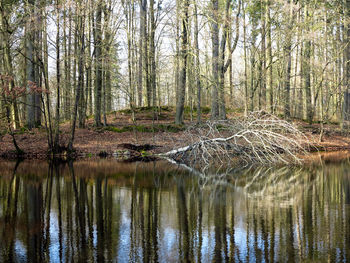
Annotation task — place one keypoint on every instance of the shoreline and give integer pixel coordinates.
(127, 140)
(124, 147)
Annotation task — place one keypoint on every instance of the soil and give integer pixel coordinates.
(125, 139)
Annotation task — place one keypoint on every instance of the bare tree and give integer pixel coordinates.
(183, 65)
(98, 63)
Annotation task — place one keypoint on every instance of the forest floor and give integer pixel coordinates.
(147, 135)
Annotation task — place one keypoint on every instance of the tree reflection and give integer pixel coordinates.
(35, 226)
(184, 238)
(10, 219)
(150, 214)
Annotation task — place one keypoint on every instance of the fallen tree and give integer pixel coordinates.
(258, 138)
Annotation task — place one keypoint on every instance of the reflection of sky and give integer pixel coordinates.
(124, 238)
(20, 251)
(326, 227)
(168, 244)
(169, 235)
(54, 248)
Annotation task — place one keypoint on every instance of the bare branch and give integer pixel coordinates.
(258, 138)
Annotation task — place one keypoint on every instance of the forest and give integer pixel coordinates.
(68, 65)
(174, 131)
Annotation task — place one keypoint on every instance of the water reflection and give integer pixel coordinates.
(109, 212)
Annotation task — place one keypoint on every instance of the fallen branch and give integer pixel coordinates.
(258, 138)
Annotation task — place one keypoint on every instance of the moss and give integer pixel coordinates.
(156, 116)
(143, 128)
(170, 127)
(204, 110)
(144, 153)
(114, 129)
(235, 110)
(22, 130)
(146, 109)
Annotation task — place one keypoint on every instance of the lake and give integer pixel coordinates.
(107, 211)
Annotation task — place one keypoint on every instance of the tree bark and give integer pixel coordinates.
(215, 60)
(81, 51)
(108, 60)
(152, 53)
(58, 80)
(143, 7)
(198, 79)
(270, 59)
(98, 64)
(225, 32)
(288, 56)
(8, 67)
(263, 56)
(307, 73)
(183, 65)
(30, 65)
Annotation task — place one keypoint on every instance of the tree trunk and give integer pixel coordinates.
(152, 52)
(183, 65)
(30, 65)
(58, 80)
(263, 56)
(68, 75)
(108, 60)
(215, 60)
(40, 27)
(143, 7)
(270, 58)
(288, 56)
(307, 74)
(80, 63)
(81, 51)
(198, 79)
(225, 32)
(8, 68)
(98, 64)
(347, 47)
(246, 91)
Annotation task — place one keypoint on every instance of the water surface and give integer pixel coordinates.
(104, 211)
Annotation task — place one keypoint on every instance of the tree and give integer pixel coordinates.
(33, 100)
(152, 55)
(98, 63)
(196, 46)
(5, 31)
(142, 48)
(215, 60)
(179, 118)
(288, 61)
(307, 72)
(79, 87)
